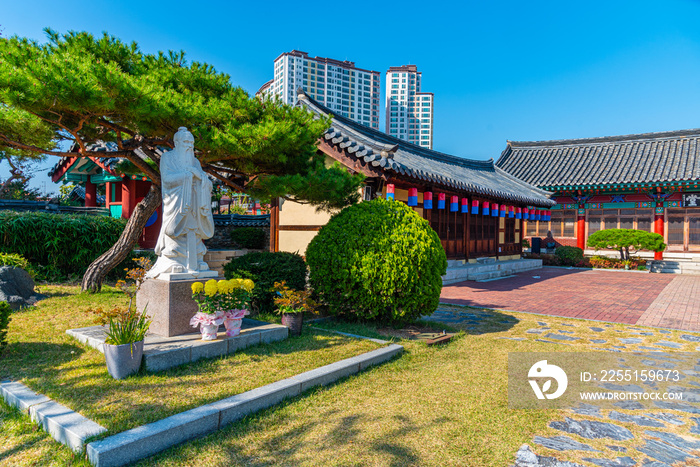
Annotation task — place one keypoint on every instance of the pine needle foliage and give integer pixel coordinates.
(80, 88)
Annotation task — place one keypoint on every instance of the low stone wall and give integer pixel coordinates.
(222, 238)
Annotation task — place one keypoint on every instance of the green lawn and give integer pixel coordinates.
(442, 405)
(43, 357)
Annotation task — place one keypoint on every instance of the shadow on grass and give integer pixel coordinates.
(473, 321)
(21, 359)
(284, 445)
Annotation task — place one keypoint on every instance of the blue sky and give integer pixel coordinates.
(500, 70)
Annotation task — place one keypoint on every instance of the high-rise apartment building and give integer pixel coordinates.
(409, 112)
(345, 89)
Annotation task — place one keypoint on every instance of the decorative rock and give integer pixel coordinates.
(617, 448)
(677, 406)
(534, 331)
(645, 333)
(668, 418)
(17, 288)
(689, 395)
(619, 462)
(636, 419)
(690, 338)
(696, 428)
(665, 332)
(645, 347)
(629, 405)
(673, 345)
(587, 409)
(562, 443)
(593, 430)
(594, 329)
(666, 365)
(540, 323)
(664, 453)
(566, 332)
(552, 335)
(686, 443)
(513, 338)
(526, 458)
(631, 340)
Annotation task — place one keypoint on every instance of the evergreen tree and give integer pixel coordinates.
(79, 89)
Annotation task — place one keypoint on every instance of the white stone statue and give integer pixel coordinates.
(187, 217)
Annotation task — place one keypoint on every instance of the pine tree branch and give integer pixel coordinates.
(212, 171)
(35, 149)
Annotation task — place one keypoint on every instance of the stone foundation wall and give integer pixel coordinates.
(222, 238)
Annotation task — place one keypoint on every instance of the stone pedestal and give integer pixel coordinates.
(169, 304)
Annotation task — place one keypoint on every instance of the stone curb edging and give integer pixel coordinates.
(63, 424)
(143, 441)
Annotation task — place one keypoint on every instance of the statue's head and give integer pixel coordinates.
(184, 139)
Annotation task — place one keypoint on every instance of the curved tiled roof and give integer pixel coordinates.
(643, 158)
(403, 158)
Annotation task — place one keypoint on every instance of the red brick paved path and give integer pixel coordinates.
(664, 300)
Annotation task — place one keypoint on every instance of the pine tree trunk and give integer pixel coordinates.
(96, 272)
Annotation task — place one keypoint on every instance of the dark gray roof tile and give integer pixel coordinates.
(643, 158)
(410, 160)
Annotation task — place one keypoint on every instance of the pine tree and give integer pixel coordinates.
(80, 89)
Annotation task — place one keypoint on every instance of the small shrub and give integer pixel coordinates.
(4, 322)
(377, 260)
(526, 243)
(569, 255)
(266, 268)
(17, 261)
(249, 237)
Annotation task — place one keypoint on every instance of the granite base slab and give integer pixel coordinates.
(169, 304)
(161, 353)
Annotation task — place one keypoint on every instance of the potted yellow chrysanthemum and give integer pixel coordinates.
(223, 301)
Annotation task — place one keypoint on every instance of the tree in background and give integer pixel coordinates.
(624, 239)
(79, 89)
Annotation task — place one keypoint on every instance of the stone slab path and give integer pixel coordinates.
(660, 300)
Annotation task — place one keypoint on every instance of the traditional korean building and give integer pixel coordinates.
(648, 182)
(475, 207)
(122, 192)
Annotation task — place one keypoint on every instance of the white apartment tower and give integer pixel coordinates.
(349, 91)
(409, 112)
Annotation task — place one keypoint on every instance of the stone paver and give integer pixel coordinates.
(660, 300)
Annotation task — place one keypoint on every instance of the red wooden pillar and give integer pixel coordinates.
(581, 228)
(90, 194)
(108, 194)
(659, 227)
(128, 197)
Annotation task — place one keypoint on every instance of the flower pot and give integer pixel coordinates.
(293, 322)
(209, 331)
(123, 360)
(233, 326)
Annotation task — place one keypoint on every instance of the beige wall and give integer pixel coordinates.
(295, 241)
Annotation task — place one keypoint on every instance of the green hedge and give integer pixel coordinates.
(249, 237)
(4, 322)
(58, 245)
(266, 268)
(378, 260)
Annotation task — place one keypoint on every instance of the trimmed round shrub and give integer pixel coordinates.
(249, 237)
(377, 260)
(265, 268)
(4, 322)
(569, 255)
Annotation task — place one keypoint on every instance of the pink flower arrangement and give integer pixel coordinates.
(235, 314)
(206, 319)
